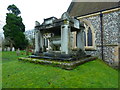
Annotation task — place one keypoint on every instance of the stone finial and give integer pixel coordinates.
(65, 15)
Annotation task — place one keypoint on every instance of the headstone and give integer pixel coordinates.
(0, 48)
(8, 48)
(13, 49)
(27, 51)
(18, 52)
(5, 49)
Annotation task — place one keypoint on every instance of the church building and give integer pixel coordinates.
(102, 28)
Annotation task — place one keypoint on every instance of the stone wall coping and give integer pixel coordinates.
(104, 12)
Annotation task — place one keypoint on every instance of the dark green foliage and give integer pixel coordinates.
(14, 28)
(12, 8)
(20, 41)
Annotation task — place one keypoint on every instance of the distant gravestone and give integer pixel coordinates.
(5, 49)
(8, 48)
(18, 52)
(13, 49)
(0, 48)
(27, 51)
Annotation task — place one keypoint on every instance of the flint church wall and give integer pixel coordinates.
(111, 22)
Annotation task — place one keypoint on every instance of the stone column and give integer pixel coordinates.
(73, 40)
(41, 40)
(80, 40)
(46, 42)
(65, 39)
(37, 46)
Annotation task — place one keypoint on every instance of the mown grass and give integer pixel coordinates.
(0, 70)
(18, 74)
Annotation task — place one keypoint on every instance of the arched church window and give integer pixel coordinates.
(84, 38)
(89, 37)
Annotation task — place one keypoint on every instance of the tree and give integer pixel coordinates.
(14, 28)
(13, 9)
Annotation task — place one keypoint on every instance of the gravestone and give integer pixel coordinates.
(8, 48)
(13, 49)
(18, 52)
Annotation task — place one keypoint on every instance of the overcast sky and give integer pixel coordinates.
(32, 10)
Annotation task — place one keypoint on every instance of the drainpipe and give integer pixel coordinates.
(101, 29)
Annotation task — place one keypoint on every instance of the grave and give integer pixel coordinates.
(59, 42)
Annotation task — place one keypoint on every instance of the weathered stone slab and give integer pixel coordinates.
(62, 64)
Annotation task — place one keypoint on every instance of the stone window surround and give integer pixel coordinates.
(88, 25)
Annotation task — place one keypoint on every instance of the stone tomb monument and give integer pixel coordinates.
(54, 37)
(59, 41)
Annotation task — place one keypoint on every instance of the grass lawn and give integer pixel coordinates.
(18, 74)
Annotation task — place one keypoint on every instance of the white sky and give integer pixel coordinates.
(32, 10)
